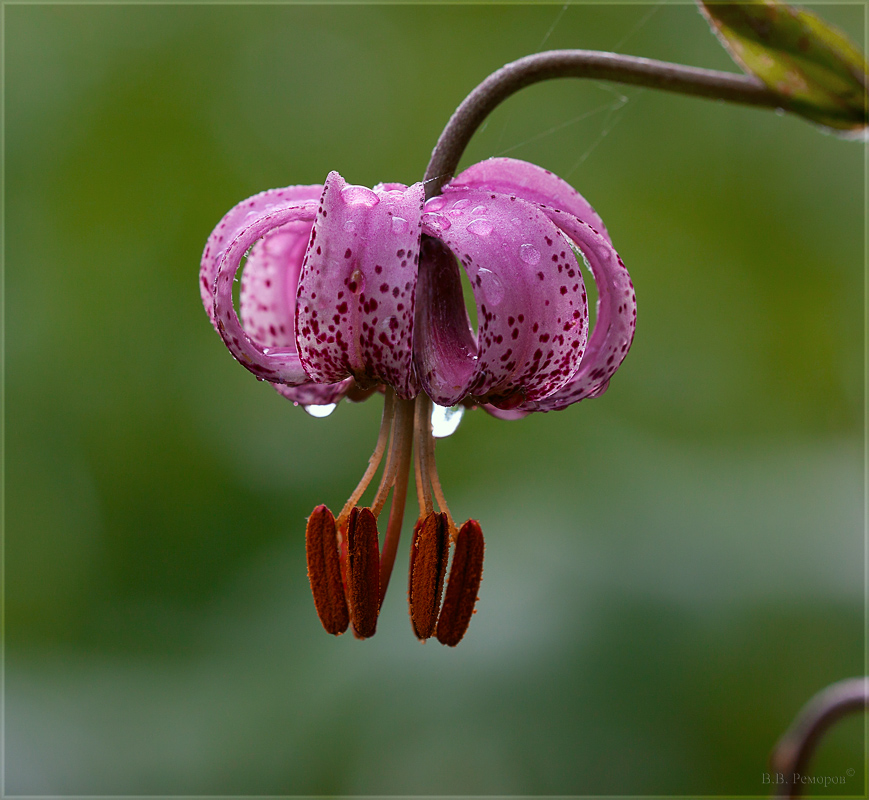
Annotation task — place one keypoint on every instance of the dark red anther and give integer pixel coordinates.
(363, 572)
(324, 571)
(466, 573)
(428, 566)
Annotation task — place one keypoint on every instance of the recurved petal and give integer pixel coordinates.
(268, 304)
(316, 394)
(267, 300)
(531, 303)
(354, 315)
(236, 219)
(615, 323)
(505, 414)
(275, 364)
(537, 185)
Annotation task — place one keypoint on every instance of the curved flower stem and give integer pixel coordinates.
(646, 72)
(792, 753)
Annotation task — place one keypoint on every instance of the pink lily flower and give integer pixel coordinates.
(347, 290)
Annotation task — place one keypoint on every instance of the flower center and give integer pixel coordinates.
(349, 571)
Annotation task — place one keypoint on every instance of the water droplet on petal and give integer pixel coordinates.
(463, 203)
(357, 282)
(399, 225)
(349, 226)
(436, 203)
(321, 411)
(388, 325)
(478, 210)
(491, 286)
(529, 254)
(445, 420)
(359, 196)
(481, 227)
(438, 221)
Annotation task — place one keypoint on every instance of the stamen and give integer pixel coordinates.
(324, 571)
(428, 566)
(376, 456)
(427, 473)
(466, 573)
(363, 572)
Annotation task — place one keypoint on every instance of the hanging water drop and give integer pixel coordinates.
(321, 411)
(445, 420)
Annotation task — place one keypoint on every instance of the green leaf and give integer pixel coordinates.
(816, 70)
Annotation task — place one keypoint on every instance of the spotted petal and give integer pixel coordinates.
(238, 232)
(268, 304)
(354, 315)
(233, 221)
(316, 394)
(615, 323)
(532, 183)
(531, 302)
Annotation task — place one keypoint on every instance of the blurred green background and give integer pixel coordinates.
(672, 569)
